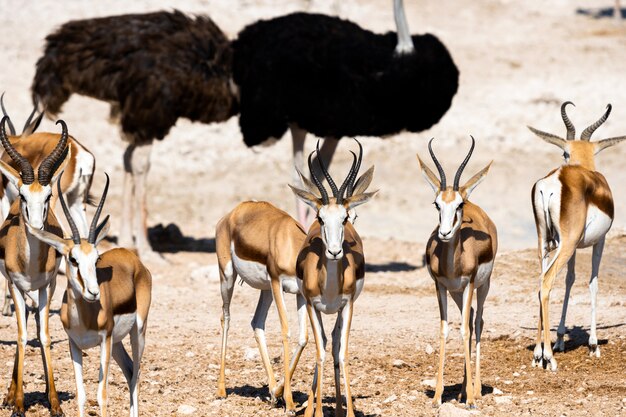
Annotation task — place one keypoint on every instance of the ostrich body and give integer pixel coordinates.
(330, 77)
(153, 68)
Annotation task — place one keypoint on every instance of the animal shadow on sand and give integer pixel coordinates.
(453, 392)
(33, 398)
(600, 13)
(299, 397)
(170, 239)
(391, 267)
(579, 337)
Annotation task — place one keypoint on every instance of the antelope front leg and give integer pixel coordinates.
(344, 330)
(481, 295)
(466, 334)
(77, 360)
(442, 300)
(277, 293)
(320, 348)
(15, 396)
(45, 297)
(103, 380)
(227, 285)
(303, 339)
(559, 345)
(598, 248)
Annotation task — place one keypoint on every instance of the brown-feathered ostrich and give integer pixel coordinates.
(153, 68)
(330, 77)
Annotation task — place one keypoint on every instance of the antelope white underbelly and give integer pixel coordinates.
(289, 284)
(597, 225)
(252, 273)
(122, 326)
(84, 338)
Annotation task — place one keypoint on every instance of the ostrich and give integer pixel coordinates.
(330, 77)
(153, 68)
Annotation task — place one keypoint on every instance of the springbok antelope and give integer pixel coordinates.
(34, 147)
(260, 243)
(460, 255)
(107, 298)
(573, 208)
(30, 265)
(331, 270)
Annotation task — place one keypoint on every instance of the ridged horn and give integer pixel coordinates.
(586, 135)
(316, 181)
(442, 174)
(26, 170)
(571, 130)
(52, 161)
(350, 188)
(68, 215)
(344, 186)
(331, 182)
(459, 171)
(4, 113)
(93, 230)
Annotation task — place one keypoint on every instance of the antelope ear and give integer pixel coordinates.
(473, 182)
(550, 138)
(358, 199)
(51, 239)
(102, 230)
(308, 184)
(430, 177)
(364, 181)
(308, 198)
(605, 143)
(31, 127)
(12, 175)
(63, 164)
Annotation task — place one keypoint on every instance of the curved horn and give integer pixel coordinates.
(26, 170)
(459, 171)
(316, 180)
(586, 135)
(4, 113)
(68, 215)
(50, 164)
(331, 183)
(347, 180)
(350, 188)
(94, 223)
(31, 125)
(442, 174)
(571, 130)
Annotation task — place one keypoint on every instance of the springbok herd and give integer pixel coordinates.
(108, 294)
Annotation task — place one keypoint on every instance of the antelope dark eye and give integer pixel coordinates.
(319, 219)
(22, 197)
(345, 220)
(73, 260)
(460, 206)
(565, 155)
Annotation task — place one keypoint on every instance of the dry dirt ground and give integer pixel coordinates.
(518, 62)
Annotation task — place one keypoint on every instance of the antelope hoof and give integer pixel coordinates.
(436, 403)
(594, 350)
(551, 364)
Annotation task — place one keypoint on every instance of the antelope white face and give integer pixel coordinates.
(35, 203)
(449, 203)
(332, 219)
(81, 262)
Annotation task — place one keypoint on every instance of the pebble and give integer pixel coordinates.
(186, 409)
(505, 399)
(399, 363)
(449, 410)
(507, 382)
(497, 391)
(390, 399)
(429, 349)
(515, 374)
(429, 383)
(251, 354)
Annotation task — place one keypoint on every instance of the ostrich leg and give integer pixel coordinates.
(125, 239)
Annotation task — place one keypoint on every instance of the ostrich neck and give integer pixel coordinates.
(405, 43)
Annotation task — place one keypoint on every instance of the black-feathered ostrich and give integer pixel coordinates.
(330, 77)
(153, 68)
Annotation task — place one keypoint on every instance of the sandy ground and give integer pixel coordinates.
(518, 62)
